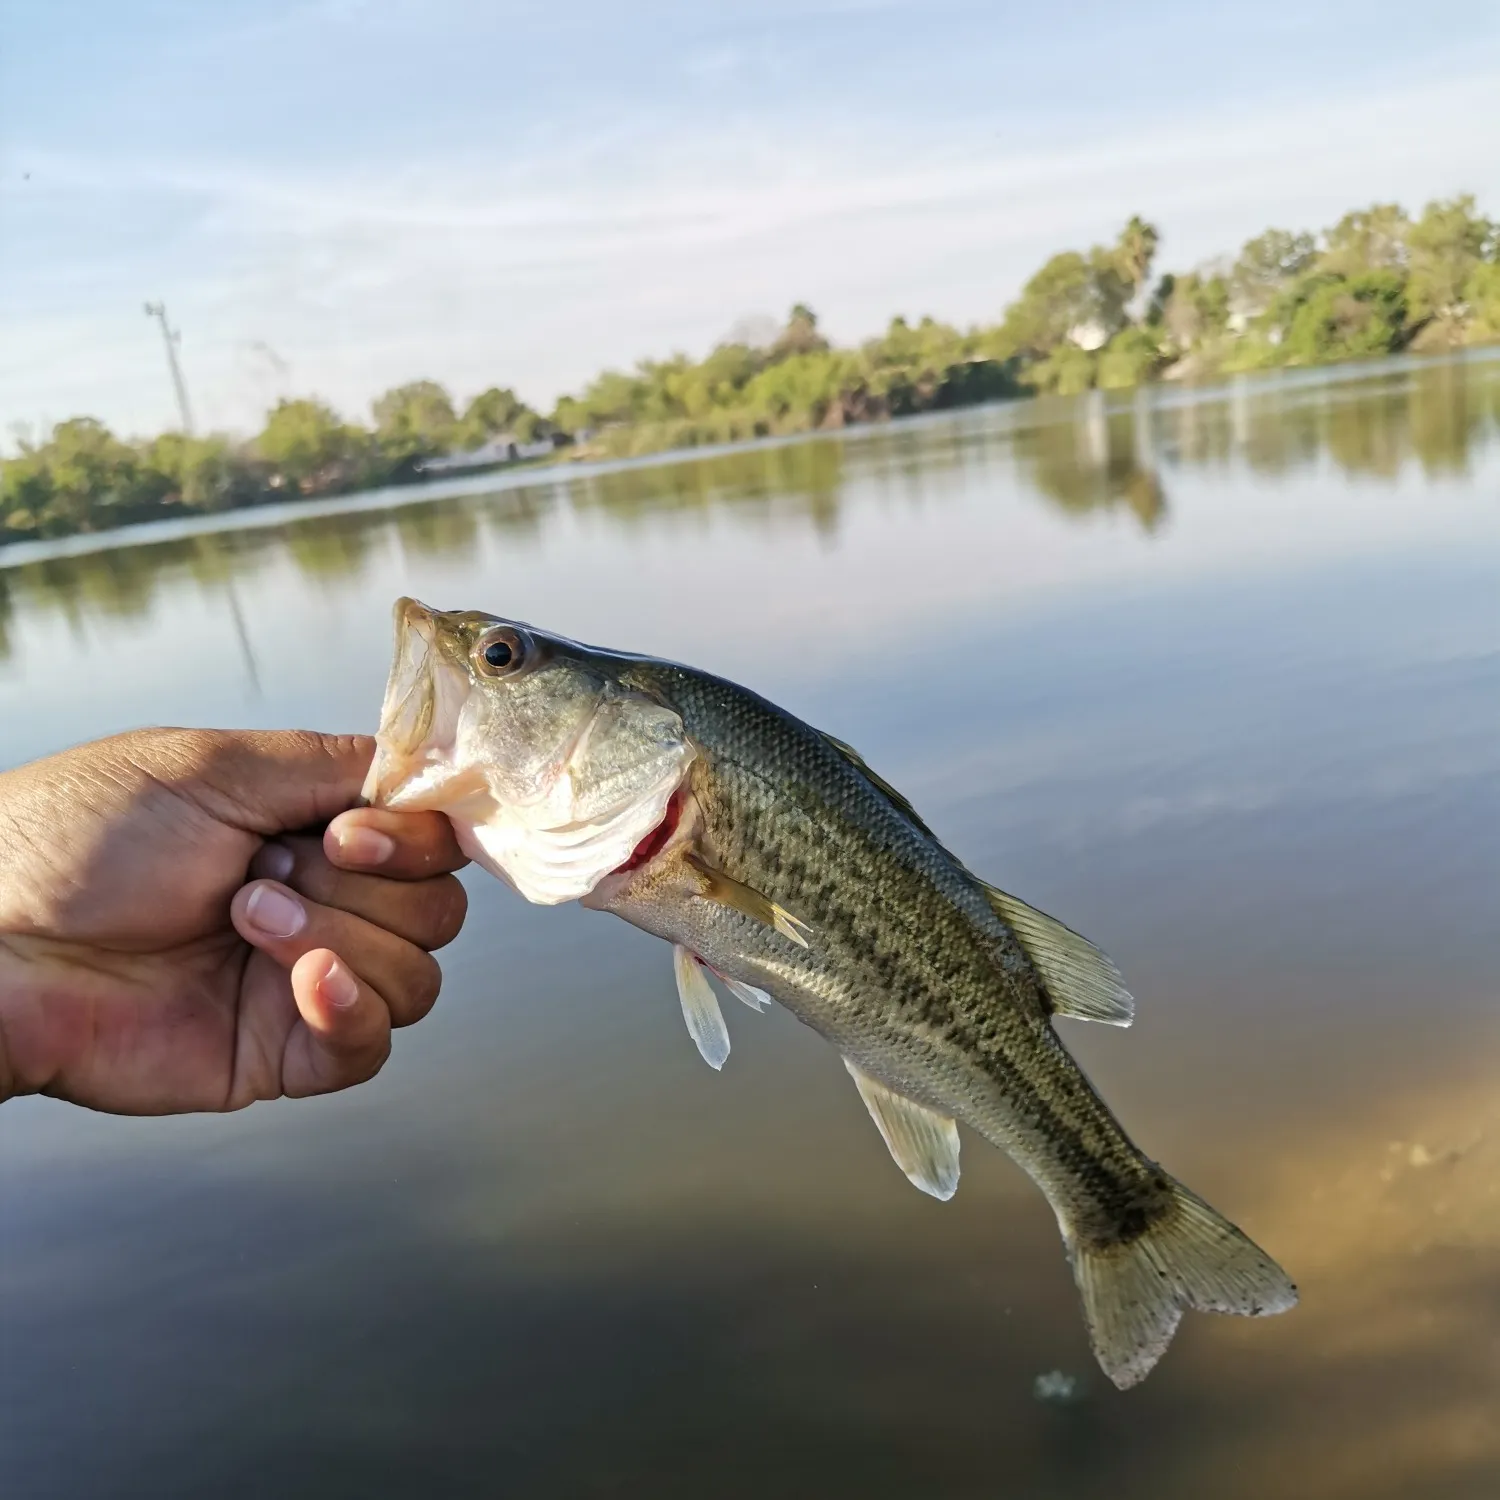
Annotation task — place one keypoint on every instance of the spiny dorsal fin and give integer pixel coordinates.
(879, 782)
(923, 1142)
(1081, 982)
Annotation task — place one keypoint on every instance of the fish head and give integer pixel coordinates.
(551, 766)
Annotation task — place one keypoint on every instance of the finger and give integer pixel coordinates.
(400, 845)
(285, 926)
(265, 781)
(428, 913)
(345, 1036)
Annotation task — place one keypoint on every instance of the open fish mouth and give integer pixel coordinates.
(552, 775)
(406, 715)
(424, 696)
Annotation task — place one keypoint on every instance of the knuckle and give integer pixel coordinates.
(452, 908)
(178, 754)
(425, 986)
(311, 875)
(374, 1060)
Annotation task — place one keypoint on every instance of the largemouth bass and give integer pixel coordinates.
(770, 855)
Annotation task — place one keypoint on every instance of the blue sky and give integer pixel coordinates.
(333, 196)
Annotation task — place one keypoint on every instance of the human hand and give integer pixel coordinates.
(179, 932)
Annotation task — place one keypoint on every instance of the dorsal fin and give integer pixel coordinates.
(879, 782)
(1081, 982)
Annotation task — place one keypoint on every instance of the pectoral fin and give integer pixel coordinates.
(717, 886)
(1081, 982)
(923, 1142)
(700, 1008)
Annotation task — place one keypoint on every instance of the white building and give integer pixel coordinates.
(501, 449)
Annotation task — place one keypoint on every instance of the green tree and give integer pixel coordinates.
(1379, 282)
(96, 481)
(1266, 265)
(1196, 310)
(25, 495)
(1445, 245)
(415, 421)
(309, 448)
(800, 336)
(1078, 298)
(205, 473)
(1482, 297)
(1132, 356)
(1067, 371)
(1347, 319)
(1135, 250)
(499, 412)
(1368, 239)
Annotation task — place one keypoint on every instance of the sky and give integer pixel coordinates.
(336, 196)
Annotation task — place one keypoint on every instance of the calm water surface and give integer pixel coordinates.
(1214, 677)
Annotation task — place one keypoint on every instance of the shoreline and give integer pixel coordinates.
(1168, 395)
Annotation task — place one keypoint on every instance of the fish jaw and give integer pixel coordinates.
(550, 783)
(414, 764)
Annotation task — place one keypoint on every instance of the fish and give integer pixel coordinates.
(776, 861)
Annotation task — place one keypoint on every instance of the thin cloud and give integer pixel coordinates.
(538, 268)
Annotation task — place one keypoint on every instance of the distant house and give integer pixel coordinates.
(501, 449)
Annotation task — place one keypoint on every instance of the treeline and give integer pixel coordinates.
(1086, 458)
(84, 478)
(1376, 282)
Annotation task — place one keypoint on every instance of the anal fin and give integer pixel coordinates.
(700, 1008)
(923, 1142)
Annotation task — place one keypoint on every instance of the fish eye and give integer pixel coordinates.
(499, 652)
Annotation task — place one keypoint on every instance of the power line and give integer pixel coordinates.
(171, 338)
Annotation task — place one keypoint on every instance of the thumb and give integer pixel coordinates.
(272, 781)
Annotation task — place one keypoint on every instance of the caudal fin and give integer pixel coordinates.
(1135, 1291)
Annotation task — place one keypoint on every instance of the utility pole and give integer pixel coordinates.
(158, 310)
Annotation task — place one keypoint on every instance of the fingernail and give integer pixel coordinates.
(365, 846)
(274, 912)
(275, 861)
(337, 987)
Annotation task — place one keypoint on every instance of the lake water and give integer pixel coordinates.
(1214, 676)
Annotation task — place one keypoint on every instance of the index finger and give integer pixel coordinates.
(400, 845)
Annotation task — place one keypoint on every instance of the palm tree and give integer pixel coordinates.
(1135, 250)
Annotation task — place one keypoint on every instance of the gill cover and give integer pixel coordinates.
(551, 774)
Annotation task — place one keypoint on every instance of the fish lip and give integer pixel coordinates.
(406, 716)
(407, 713)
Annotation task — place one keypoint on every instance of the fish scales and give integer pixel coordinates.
(769, 854)
(897, 920)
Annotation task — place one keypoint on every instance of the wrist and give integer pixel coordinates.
(35, 996)
(16, 992)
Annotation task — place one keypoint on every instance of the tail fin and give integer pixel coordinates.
(1134, 1291)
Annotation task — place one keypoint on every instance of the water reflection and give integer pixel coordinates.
(1212, 677)
(1084, 455)
(1095, 458)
